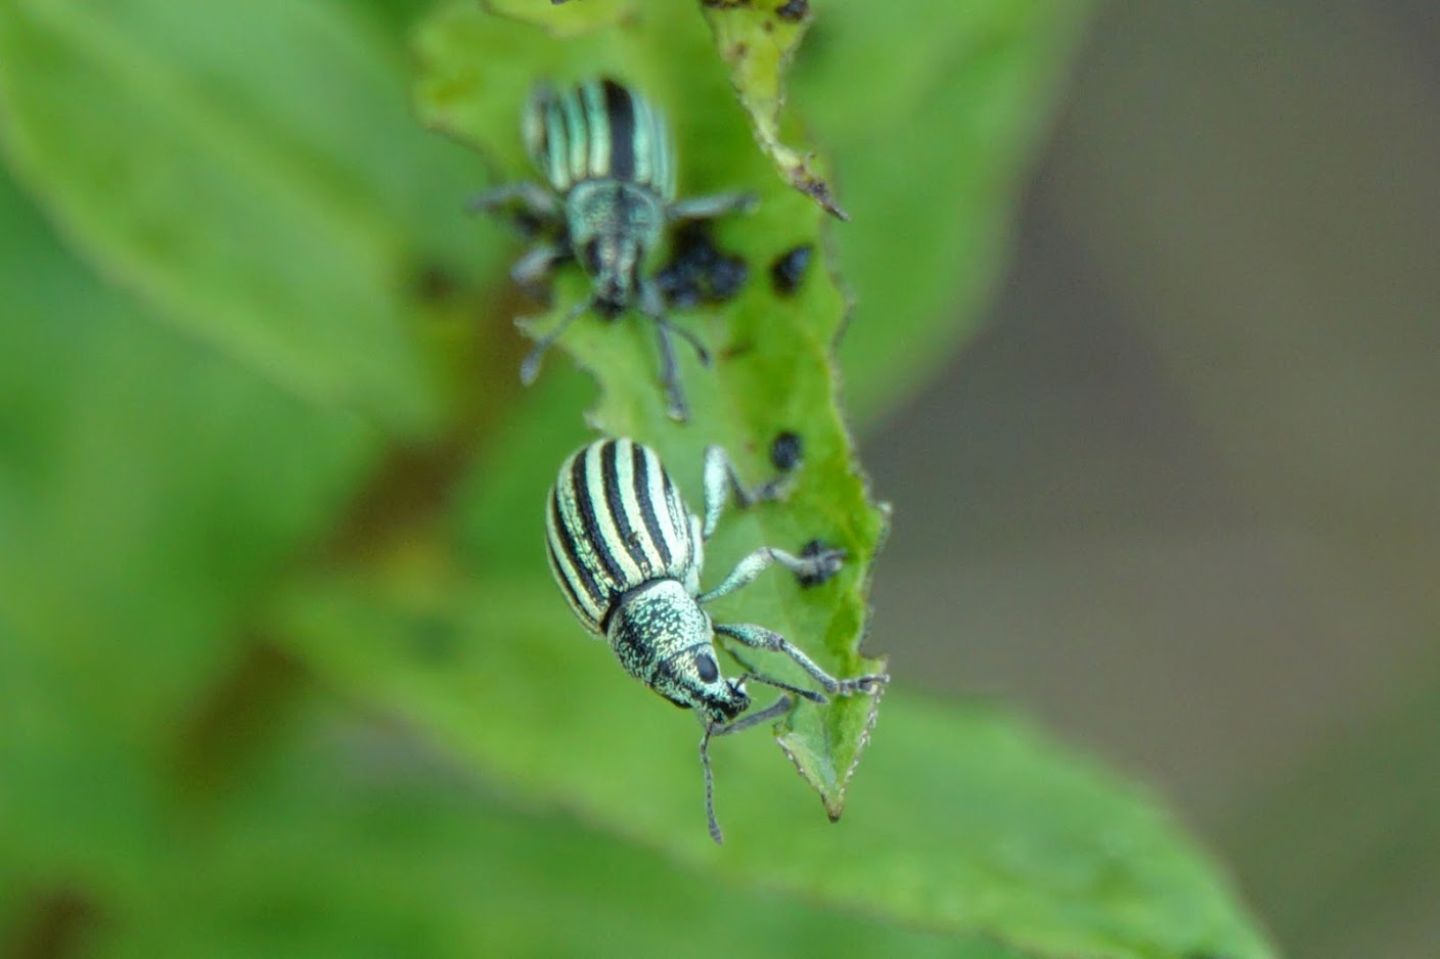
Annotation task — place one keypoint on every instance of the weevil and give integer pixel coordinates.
(608, 163)
(628, 554)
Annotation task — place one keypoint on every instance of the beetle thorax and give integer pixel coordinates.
(613, 227)
(663, 638)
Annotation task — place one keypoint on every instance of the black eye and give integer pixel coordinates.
(705, 663)
(590, 256)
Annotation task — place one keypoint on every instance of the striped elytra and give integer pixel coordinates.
(614, 521)
(599, 130)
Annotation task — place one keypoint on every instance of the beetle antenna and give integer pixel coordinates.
(710, 819)
(777, 708)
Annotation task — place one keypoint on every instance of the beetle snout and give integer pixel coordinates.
(736, 702)
(609, 302)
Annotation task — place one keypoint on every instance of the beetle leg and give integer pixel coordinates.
(814, 568)
(721, 480)
(536, 264)
(758, 637)
(670, 374)
(651, 305)
(809, 694)
(530, 366)
(709, 207)
(531, 197)
(778, 708)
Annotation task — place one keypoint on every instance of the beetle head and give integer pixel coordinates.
(613, 262)
(613, 226)
(663, 637)
(692, 679)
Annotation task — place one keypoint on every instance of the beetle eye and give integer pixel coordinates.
(705, 664)
(590, 256)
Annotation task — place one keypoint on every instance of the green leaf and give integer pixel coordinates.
(563, 21)
(323, 857)
(772, 373)
(214, 163)
(929, 156)
(148, 492)
(966, 820)
(757, 41)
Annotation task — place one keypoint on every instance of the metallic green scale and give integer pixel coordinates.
(609, 165)
(628, 555)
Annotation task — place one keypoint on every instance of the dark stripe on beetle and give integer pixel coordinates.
(567, 542)
(564, 580)
(610, 471)
(640, 460)
(589, 519)
(621, 111)
(675, 506)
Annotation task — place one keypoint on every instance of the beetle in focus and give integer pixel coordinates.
(627, 554)
(609, 167)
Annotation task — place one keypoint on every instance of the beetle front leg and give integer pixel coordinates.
(675, 405)
(814, 568)
(652, 306)
(710, 207)
(758, 637)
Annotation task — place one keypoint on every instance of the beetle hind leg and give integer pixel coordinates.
(813, 568)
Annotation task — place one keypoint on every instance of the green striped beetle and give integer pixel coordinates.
(607, 158)
(627, 554)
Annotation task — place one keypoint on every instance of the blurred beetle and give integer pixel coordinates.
(609, 166)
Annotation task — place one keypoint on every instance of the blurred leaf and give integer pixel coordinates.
(773, 371)
(563, 21)
(148, 491)
(214, 163)
(361, 851)
(965, 821)
(757, 40)
(929, 163)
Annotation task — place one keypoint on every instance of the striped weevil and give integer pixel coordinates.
(609, 167)
(627, 554)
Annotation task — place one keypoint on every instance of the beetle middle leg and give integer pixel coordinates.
(710, 207)
(533, 200)
(758, 637)
(534, 267)
(815, 567)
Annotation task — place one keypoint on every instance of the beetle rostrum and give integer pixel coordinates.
(628, 556)
(608, 165)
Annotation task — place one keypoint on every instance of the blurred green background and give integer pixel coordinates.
(1176, 498)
